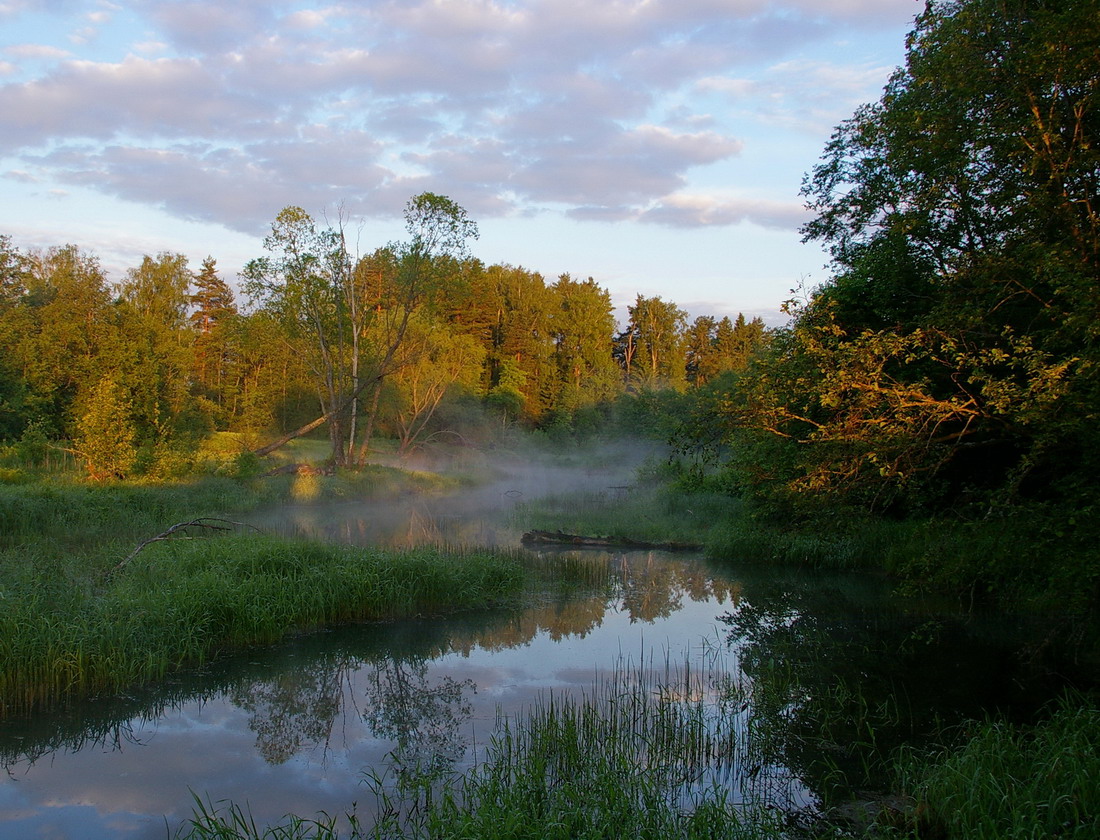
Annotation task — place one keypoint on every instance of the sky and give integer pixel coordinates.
(657, 146)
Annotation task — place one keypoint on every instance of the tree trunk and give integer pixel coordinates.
(368, 431)
(267, 449)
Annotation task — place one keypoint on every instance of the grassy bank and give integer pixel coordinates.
(74, 622)
(74, 511)
(1005, 782)
(178, 603)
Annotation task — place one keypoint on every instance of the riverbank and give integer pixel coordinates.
(83, 614)
(811, 694)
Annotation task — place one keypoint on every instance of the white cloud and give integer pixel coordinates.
(149, 47)
(693, 210)
(618, 110)
(307, 19)
(36, 51)
(210, 27)
(153, 98)
(21, 176)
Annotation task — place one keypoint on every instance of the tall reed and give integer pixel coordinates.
(1010, 783)
(182, 602)
(650, 751)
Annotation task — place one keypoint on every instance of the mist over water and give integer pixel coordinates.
(313, 723)
(475, 514)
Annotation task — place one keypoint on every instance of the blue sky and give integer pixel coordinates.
(657, 146)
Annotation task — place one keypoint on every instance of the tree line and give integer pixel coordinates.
(412, 340)
(950, 367)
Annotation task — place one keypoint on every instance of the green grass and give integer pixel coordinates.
(1011, 783)
(70, 627)
(76, 513)
(179, 603)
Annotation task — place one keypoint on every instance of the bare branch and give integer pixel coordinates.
(179, 531)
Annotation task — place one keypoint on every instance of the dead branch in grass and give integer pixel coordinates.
(179, 531)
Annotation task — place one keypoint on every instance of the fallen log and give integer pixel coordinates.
(578, 541)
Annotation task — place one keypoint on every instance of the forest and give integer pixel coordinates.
(413, 341)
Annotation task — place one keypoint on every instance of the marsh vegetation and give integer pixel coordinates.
(767, 701)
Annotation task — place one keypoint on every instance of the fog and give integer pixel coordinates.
(480, 510)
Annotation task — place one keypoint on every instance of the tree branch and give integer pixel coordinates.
(181, 528)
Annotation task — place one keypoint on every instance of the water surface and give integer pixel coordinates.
(294, 728)
(307, 725)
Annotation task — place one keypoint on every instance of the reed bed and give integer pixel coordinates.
(182, 602)
(1010, 783)
(645, 754)
(652, 751)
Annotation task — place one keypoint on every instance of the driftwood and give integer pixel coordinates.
(577, 541)
(179, 531)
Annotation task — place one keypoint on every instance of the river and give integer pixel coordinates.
(314, 724)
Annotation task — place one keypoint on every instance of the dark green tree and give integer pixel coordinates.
(213, 310)
(582, 327)
(155, 360)
(67, 334)
(13, 289)
(954, 355)
(736, 341)
(702, 362)
(521, 355)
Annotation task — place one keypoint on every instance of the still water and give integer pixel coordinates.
(293, 728)
(308, 725)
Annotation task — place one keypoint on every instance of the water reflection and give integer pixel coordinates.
(294, 727)
(292, 709)
(826, 675)
(423, 720)
(842, 674)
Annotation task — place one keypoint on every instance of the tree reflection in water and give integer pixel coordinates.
(424, 721)
(294, 709)
(840, 675)
(297, 708)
